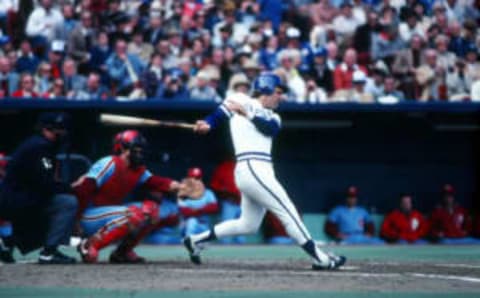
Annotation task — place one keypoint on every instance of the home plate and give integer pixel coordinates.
(349, 268)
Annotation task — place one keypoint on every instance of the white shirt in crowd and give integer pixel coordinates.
(43, 23)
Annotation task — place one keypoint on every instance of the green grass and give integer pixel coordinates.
(97, 293)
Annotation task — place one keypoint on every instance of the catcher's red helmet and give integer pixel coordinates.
(128, 139)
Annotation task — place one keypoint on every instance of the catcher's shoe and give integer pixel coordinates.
(193, 250)
(335, 263)
(88, 253)
(6, 253)
(130, 257)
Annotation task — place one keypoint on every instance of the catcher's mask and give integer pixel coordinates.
(135, 142)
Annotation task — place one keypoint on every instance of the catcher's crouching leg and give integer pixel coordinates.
(124, 253)
(113, 231)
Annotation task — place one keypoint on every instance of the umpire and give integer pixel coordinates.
(40, 208)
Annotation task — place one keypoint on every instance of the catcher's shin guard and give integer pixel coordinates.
(113, 231)
(150, 211)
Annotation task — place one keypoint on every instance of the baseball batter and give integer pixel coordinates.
(253, 125)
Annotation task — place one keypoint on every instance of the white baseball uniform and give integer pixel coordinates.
(254, 175)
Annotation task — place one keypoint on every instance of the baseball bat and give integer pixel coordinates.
(121, 120)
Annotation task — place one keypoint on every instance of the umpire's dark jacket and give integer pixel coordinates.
(27, 189)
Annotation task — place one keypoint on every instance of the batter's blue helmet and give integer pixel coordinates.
(266, 83)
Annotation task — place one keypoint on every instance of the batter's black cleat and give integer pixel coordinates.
(6, 253)
(193, 250)
(335, 263)
(55, 258)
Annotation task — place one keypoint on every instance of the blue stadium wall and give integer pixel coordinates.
(383, 150)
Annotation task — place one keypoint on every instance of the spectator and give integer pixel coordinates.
(196, 203)
(345, 23)
(271, 10)
(315, 94)
(238, 83)
(472, 67)
(63, 31)
(223, 184)
(26, 88)
(268, 53)
(140, 48)
(475, 92)
(99, 55)
(404, 225)
(405, 64)
(410, 27)
(450, 223)
(201, 90)
(73, 81)
(455, 10)
(342, 77)
(458, 84)
(375, 85)
(274, 232)
(43, 78)
(42, 23)
(320, 72)
(80, 41)
(9, 79)
(124, 69)
(358, 93)
(55, 58)
(362, 40)
(173, 86)
(169, 59)
(251, 68)
(332, 55)
(289, 59)
(390, 93)
(322, 12)
(155, 29)
(153, 75)
(94, 89)
(305, 50)
(350, 223)
(386, 45)
(428, 76)
(445, 59)
(56, 91)
(458, 44)
(27, 61)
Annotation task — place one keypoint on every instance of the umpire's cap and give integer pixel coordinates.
(53, 120)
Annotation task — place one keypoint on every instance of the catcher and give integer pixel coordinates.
(196, 203)
(105, 218)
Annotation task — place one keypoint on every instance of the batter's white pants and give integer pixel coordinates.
(260, 192)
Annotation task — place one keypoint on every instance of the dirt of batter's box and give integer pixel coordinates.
(246, 275)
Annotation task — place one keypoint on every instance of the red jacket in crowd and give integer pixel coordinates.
(450, 224)
(404, 226)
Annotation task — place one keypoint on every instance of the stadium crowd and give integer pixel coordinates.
(326, 51)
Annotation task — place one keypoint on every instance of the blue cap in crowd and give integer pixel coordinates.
(321, 52)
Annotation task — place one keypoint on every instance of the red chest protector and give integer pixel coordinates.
(119, 184)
